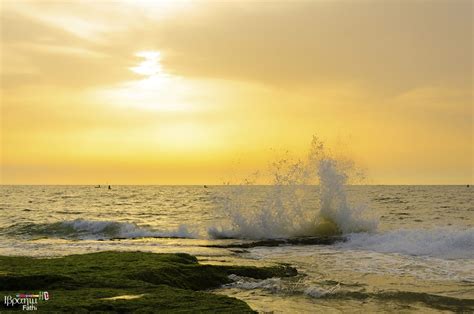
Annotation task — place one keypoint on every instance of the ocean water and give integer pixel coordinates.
(391, 248)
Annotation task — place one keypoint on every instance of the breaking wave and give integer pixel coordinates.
(446, 243)
(287, 208)
(98, 229)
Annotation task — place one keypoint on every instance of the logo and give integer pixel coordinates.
(27, 302)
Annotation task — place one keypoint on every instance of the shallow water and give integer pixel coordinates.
(419, 256)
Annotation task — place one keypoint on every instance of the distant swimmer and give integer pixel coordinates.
(110, 188)
(205, 186)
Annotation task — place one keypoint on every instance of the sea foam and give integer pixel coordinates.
(100, 229)
(446, 243)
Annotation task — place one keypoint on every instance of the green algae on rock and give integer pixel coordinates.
(127, 282)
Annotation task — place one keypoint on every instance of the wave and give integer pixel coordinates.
(98, 229)
(338, 291)
(287, 208)
(446, 243)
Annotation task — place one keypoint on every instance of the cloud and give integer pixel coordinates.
(393, 45)
(37, 53)
(390, 46)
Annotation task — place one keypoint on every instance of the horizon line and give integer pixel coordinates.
(223, 184)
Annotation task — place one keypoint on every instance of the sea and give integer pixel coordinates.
(357, 248)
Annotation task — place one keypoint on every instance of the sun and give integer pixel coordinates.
(155, 89)
(150, 66)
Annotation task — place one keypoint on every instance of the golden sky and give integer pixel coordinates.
(181, 92)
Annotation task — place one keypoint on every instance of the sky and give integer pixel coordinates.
(181, 92)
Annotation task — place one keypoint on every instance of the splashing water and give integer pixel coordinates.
(289, 208)
(335, 211)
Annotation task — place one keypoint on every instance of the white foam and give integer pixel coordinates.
(277, 285)
(94, 229)
(446, 243)
(316, 292)
(271, 284)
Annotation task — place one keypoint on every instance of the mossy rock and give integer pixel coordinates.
(153, 282)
